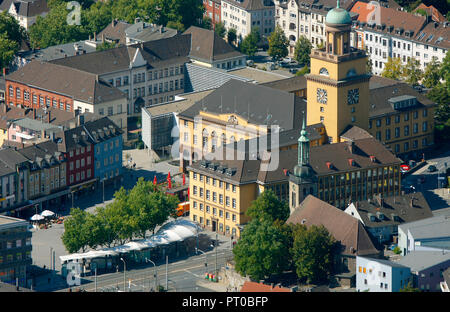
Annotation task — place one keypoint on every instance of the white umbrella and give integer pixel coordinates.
(36, 217)
(47, 213)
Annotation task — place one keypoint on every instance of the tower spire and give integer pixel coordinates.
(303, 145)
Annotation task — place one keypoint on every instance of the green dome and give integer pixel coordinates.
(338, 16)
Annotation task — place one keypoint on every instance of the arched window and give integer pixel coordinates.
(224, 139)
(351, 73)
(213, 141)
(205, 138)
(324, 71)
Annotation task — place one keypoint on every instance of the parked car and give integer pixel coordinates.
(250, 63)
(293, 70)
(431, 168)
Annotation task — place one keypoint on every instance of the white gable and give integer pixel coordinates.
(138, 59)
(351, 210)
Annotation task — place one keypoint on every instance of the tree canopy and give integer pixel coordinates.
(431, 76)
(220, 29)
(262, 250)
(392, 68)
(268, 207)
(303, 50)
(231, 36)
(11, 34)
(312, 252)
(278, 44)
(411, 72)
(249, 45)
(130, 215)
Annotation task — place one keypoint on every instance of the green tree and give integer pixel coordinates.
(207, 22)
(53, 29)
(369, 66)
(231, 36)
(303, 71)
(268, 207)
(393, 68)
(7, 50)
(278, 44)
(262, 250)
(312, 253)
(105, 46)
(303, 50)
(76, 235)
(431, 76)
(411, 72)
(409, 288)
(444, 71)
(220, 29)
(249, 45)
(11, 34)
(440, 94)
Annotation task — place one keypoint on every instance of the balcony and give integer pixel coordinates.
(354, 53)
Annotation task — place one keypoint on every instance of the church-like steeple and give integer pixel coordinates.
(303, 146)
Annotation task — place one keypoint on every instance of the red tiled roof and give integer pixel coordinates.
(435, 14)
(258, 287)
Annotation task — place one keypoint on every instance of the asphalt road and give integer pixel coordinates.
(183, 276)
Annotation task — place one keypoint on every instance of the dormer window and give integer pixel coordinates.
(351, 162)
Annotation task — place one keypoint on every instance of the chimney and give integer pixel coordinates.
(80, 120)
(95, 36)
(412, 202)
(4, 71)
(103, 38)
(373, 159)
(90, 38)
(4, 108)
(161, 30)
(48, 116)
(34, 113)
(351, 146)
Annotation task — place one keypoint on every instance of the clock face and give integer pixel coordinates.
(353, 96)
(322, 96)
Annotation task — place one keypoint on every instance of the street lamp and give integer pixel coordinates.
(206, 256)
(124, 273)
(156, 273)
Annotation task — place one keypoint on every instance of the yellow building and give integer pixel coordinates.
(402, 119)
(338, 85)
(221, 191)
(238, 111)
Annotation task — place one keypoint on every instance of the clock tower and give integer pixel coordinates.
(338, 84)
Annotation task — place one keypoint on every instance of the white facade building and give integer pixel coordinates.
(243, 15)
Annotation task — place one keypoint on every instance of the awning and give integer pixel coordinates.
(51, 196)
(79, 185)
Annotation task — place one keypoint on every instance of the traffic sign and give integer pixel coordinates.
(405, 168)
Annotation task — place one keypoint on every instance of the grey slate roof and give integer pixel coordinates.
(289, 84)
(33, 124)
(59, 51)
(399, 206)
(78, 84)
(28, 8)
(9, 159)
(386, 262)
(208, 46)
(148, 32)
(250, 5)
(266, 106)
(421, 260)
(379, 99)
(435, 227)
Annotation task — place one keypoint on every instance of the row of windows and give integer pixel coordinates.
(18, 257)
(214, 181)
(78, 150)
(105, 146)
(111, 161)
(397, 134)
(80, 161)
(15, 243)
(81, 176)
(208, 223)
(397, 118)
(214, 211)
(47, 101)
(214, 197)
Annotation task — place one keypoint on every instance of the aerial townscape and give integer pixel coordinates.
(231, 146)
